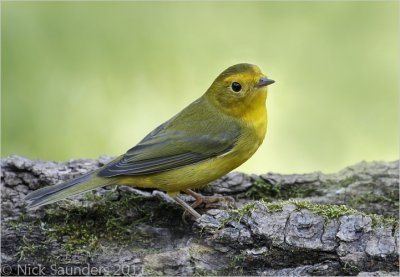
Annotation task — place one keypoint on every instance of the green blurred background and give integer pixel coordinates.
(81, 79)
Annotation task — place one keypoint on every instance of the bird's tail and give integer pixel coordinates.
(58, 192)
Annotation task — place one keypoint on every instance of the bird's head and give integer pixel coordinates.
(239, 89)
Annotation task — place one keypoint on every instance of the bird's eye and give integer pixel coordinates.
(236, 87)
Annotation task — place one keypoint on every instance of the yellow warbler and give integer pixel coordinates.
(210, 137)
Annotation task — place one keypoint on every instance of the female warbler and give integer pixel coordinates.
(210, 137)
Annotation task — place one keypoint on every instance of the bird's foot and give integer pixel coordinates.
(207, 200)
(201, 199)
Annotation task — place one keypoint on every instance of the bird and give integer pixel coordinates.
(206, 140)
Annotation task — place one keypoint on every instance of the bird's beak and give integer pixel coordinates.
(264, 81)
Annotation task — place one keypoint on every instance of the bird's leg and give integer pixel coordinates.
(199, 198)
(187, 207)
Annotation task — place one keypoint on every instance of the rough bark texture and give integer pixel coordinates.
(286, 225)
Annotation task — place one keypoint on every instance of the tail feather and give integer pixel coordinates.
(54, 193)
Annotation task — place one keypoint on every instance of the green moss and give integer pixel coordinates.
(343, 183)
(328, 212)
(263, 190)
(82, 228)
(79, 228)
(28, 249)
(268, 191)
(237, 214)
(302, 191)
(273, 206)
(371, 197)
(111, 217)
(17, 225)
(350, 269)
(75, 239)
(378, 220)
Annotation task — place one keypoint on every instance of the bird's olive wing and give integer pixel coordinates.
(169, 147)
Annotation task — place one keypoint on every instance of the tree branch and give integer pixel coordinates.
(308, 224)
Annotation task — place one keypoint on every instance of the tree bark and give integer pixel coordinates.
(309, 224)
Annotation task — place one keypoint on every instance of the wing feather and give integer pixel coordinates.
(176, 144)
